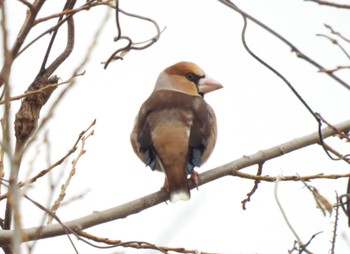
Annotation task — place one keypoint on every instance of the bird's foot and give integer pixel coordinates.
(165, 187)
(195, 178)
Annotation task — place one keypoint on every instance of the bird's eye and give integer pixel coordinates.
(192, 77)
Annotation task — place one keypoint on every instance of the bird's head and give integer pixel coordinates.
(186, 77)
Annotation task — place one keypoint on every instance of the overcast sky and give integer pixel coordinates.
(255, 111)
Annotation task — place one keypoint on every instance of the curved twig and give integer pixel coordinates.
(295, 92)
(255, 187)
(29, 5)
(285, 41)
(119, 53)
(86, 6)
(285, 217)
(66, 12)
(335, 42)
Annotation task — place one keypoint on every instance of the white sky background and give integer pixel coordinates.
(255, 111)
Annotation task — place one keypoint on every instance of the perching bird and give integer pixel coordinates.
(175, 129)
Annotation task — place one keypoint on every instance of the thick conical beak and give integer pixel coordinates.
(207, 84)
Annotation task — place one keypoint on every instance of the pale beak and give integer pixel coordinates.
(207, 84)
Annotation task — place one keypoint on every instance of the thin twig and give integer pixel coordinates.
(76, 197)
(26, 27)
(337, 33)
(49, 70)
(301, 245)
(130, 45)
(54, 165)
(341, 134)
(290, 86)
(337, 68)
(25, 124)
(285, 41)
(42, 89)
(82, 236)
(86, 6)
(77, 70)
(340, 156)
(29, 5)
(255, 187)
(336, 219)
(285, 217)
(331, 4)
(135, 244)
(64, 187)
(294, 178)
(12, 204)
(335, 42)
(308, 242)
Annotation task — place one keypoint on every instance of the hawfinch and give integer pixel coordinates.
(175, 129)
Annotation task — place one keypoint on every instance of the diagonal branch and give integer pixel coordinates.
(327, 3)
(294, 49)
(140, 204)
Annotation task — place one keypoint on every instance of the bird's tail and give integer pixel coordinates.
(180, 194)
(176, 178)
(171, 145)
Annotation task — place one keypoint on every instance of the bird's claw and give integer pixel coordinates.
(195, 178)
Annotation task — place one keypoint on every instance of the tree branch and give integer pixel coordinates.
(155, 198)
(294, 49)
(342, 6)
(27, 26)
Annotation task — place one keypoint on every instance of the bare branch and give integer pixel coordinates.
(285, 217)
(29, 5)
(336, 220)
(27, 26)
(28, 115)
(48, 71)
(12, 204)
(72, 82)
(153, 199)
(336, 33)
(285, 41)
(271, 179)
(307, 244)
(335, 42)
(323, 2)
(337, 68)
(42, 89)
(121, 52)
(86, 6)
(59, 162)
(273, 70)
(64, 187)
(25, 123)
(4, 79)
(255, 187)
(135, 244)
